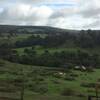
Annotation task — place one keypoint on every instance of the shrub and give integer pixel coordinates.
(40, 89)
(88, 85)
(69, 78)
(56, 81)
(67, 92)
(1, 63)
(80, 95)
(74, 75)
(98, 80)
(40, 79)
(90, 91)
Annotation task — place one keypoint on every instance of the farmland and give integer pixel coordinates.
(47, 83)
(49, 66)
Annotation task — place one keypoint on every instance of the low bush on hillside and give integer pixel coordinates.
(80, 95)
(69, 78)
(1, 63)
(74, 75)
(40, 89)
(56, 81)
(67, 92)
(88, 85)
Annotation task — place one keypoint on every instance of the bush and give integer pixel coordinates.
(88, 85)
(40, 79)
(48, 73)
(81, 95)
(40, 89)
(74, 75)
(90, 90)
(99, 80)
(1, 63)
(69, 78)
(67, 92)
(56, 81)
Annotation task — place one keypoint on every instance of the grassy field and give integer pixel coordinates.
(24, 36)
(18, 37)
(50, 79)
(52, 97)
(40, 49)
(13, 39)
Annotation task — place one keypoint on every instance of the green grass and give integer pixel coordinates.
(40, 49)
(13, 39)
(20, 37)
(54, 89)
(30, 96)
(24, 36)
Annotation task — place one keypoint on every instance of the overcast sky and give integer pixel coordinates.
(68, 14)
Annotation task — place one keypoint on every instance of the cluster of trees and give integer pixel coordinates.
(5, 50)
(57, 59)
(48, 41)
(88, 39)
(83, 39)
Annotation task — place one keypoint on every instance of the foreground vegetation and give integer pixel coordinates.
(46, 83)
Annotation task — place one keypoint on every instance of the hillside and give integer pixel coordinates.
(47, 83)
(33, 29)
(48, 63)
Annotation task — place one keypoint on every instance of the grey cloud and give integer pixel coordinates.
(89, 8)
(23, 12)
(91, 12)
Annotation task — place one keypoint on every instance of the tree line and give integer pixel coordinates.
(66, 59)
(83, 39)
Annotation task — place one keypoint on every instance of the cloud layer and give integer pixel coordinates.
(73, 14)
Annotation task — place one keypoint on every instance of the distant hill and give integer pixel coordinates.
(33, 30)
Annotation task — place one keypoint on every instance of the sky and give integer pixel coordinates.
(67, 14)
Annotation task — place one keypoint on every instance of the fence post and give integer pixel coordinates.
(22, 91)
(96, 90)
(89, 98)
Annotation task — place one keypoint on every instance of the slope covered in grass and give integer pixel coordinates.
(45, 83)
